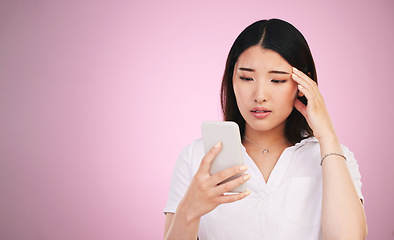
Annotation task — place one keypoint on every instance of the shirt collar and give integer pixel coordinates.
(297, 145)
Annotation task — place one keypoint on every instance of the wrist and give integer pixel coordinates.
(331, 138)
(184, 225)
(330, 144)
(186, 213)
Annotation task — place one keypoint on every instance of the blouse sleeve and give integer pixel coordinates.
(181, 178)
(353, 169)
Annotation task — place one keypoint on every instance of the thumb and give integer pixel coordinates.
(208, 158)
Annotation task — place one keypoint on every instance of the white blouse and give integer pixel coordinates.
(288, 206)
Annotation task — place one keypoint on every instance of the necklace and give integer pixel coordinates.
(265, 150)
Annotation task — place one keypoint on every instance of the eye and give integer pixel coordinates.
(246, 79)
(278, 81)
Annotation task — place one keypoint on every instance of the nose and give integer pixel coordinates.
(261, 93)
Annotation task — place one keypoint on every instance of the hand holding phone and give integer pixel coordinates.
(231, 153)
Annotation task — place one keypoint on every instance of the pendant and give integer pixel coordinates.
(265, 151)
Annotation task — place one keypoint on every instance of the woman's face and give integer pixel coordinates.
(264, 89)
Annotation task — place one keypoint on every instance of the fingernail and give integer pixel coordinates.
(299, 86)
(295, 69)
(243, 168)
(218, 145)
(247, 193)
(294, 76)
(246, 177)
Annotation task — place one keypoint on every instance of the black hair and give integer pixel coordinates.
(283, 38)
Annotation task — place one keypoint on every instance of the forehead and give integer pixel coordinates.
(259, 58)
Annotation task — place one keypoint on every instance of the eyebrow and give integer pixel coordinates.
(272, 71)
(278, 72)
(246, 69)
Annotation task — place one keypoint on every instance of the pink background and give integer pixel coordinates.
(98, 98)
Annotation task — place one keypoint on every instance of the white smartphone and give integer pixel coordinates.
(230, 155)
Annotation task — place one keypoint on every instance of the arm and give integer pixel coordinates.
(180, 228)
(343, 215)
(202, 196)
(168, 221)
(342, 210)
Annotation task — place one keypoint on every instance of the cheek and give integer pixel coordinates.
(293, 91)
(291, 94)
(239, 94)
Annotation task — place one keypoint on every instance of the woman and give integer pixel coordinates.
(303, 184)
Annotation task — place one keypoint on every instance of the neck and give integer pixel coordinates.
(265, 138)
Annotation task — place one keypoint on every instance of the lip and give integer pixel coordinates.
(260, 112)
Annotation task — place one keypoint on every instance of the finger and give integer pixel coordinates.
(208, 158)
(228, 186)
(303, 76)
(229, 172)
(305, 80)
(301, 107)
(313, 95)
(234, 197)
(301, 81)
(303, 85)
(309, 94)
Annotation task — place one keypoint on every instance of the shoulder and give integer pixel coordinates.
(306, 153)
(195, 147)
(312, 144)
(192, 155)
(310, 148)
(307, 145)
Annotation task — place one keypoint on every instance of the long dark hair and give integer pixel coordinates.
(285, 39)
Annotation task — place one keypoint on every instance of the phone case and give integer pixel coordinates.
(228, 134)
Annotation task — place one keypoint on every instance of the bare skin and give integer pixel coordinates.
(203, 195)
(263, 79)
(343, 215)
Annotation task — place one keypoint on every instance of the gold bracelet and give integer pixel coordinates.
(329, 154)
